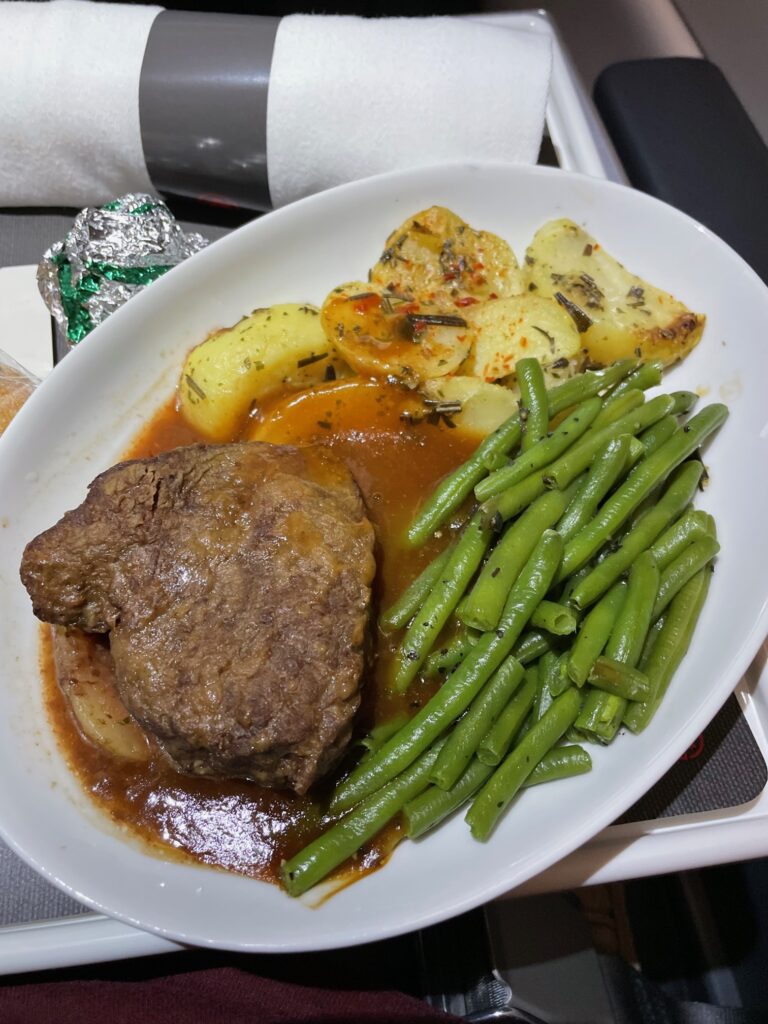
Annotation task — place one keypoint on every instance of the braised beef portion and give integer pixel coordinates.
(234, 582)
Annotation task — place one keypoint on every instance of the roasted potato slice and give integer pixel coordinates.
(630, 317)
(523, 326)
(85, 674)
(437, 257)
(482, 406)
(383, 335)
(239, 366)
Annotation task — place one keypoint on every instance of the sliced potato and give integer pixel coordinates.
(437, 257)
(382, 335)
(630, 316)
(235, 368)
(520, 327)
(86, 676)
(483, 406)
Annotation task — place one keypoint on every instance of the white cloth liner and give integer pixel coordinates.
(350, 97)
(69, 103)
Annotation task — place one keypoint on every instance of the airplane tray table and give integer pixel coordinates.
(710, 808)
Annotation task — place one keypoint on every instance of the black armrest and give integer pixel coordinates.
(683, 136)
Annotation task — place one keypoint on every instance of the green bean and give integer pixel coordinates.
(647, 375)
(434, 805)
(531, 646)
(463, 741)
(512, 502)
(658, 434)
(646, 476)
(533, 400)
(560, 763)
(684, 567)
(636, 452)
(412, 598)
(499, 737)
(543, 453)
(692, 526)
(685, 401)
(379, 734)
(458, 691)
(530, 587)
(506, 781)
(601, 714)
(553, 680)
(310, 865)
(554, 618)
(568, 467)
(455, 650)
(636, 449)
(607, 466)
(678, 494)
(594, 633)
(559, 680)
(671, 644)
(458, 485)
(615, 407)
(578, 458)
(483, 605)
(572, 734)
(650, 642)
(619, 679)
(572, 582)
(542, 674)
(453, 697)
(625, 643)
(442, 600)
(530, 718)
(499, 462)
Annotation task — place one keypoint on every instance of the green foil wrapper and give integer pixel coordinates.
(110, 253)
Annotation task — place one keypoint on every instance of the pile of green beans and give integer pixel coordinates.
(558, 612)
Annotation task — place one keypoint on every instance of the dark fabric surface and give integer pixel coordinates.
(722, 768)
(219, 994)
(636, 1000)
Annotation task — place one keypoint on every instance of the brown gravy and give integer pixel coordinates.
(234, 824)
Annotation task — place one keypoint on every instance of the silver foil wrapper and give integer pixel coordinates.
(110, 253)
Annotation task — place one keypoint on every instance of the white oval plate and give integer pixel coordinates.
(86, 413)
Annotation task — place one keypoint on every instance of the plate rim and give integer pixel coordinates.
(738, 663)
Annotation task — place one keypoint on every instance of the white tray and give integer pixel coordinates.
(621, 851)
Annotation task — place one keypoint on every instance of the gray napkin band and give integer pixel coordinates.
(203, 106)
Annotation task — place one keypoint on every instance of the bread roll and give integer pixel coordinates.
(16, 385)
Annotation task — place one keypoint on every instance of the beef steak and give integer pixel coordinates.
(234, 582)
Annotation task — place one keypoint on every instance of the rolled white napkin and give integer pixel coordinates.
(348, 97)
(69, 103)
(351, 97)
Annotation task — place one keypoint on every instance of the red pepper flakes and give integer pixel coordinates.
(365, 304)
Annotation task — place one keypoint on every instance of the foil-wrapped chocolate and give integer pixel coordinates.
(110, 253)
